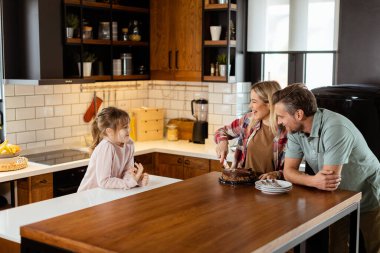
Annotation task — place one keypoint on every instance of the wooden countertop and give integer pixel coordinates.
(195, 215)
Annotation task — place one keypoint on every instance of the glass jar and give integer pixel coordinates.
(104, 31)
(87, 32)
(172, 132)
(126, 64)
(124, 33)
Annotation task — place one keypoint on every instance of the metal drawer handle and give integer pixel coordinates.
(187, 162)
(43, 181)
(179, 160)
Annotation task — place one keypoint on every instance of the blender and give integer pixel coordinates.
(199, 109)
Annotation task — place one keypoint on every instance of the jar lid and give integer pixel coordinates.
(87, 28)
(171, 126)
(124, 30)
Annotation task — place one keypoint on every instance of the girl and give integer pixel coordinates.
(111, 164)
(261, 141)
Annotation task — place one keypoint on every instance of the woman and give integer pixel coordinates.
(261, 141)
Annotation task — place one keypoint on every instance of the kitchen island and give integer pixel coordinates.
(196, 215)
(12, 219)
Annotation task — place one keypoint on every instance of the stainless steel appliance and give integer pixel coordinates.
(199, 109)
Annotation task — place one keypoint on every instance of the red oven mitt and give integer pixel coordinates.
(92, 109)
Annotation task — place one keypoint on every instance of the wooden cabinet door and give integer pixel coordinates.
(148, 162)
(169, 165)
(216, 166)
(34, 189)
(161, 40)
(188, 40)
(193, 167)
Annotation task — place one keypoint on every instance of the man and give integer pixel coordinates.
(335, 150)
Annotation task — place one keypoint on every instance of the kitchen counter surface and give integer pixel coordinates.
(181, 147)
(12, 219)
(197, 215)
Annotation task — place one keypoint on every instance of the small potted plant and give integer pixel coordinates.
(88, 59)
(72, 23)
(222, 61)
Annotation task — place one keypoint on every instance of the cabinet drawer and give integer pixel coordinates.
(150, 135)
(148, 113)
(148, 125)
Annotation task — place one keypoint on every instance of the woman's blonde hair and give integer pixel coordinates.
(265, 91)
(110, 117)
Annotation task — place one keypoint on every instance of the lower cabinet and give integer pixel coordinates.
(181, 167)
(34, 189)
(147, 161)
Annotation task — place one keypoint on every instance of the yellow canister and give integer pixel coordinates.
(172, 133)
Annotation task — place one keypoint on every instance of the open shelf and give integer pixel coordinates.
(219, 43)
(130, 43)
(219, 6)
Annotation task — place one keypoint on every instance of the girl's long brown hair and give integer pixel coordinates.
(110, 117)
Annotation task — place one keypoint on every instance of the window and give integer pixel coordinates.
(276, 68)
(297, 39)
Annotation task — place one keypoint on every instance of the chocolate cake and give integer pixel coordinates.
(238, 176)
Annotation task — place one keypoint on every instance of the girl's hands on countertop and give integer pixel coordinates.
(140, 177)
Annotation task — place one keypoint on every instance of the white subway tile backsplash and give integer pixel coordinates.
(11, 138)
(72, 140)
(62, 132)
(9, 90)
(10, 115)
(31, 145)
(80, 130)
(54, 142)
(215, 119)
(177, 105)
(46, 134)
(171, 114)
(75, 88)
(33, 101)
(222, 109)
(70, 99)
(25, 113)
(54, 122)
(59, 109)
(35, 124)
(15, 102)
(71, 120)
(15, 126)
(229, 99)
(26, 137)
(44, 112)
(79, 109)
(215, 98)
(228, 119)
(53, 99)
(44, 89)
(85, 97)
(21, 90)
(66, 88)
(62, 110)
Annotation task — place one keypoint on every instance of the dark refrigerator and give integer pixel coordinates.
(358, 102)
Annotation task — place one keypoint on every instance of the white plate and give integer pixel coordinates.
(270, 187)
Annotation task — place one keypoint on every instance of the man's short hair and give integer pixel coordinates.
(296, 96)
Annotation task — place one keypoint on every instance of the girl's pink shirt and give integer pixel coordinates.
(110, 166)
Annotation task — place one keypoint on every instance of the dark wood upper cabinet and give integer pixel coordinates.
(32, 39)
(176, 40)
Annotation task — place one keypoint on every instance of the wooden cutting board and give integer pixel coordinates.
(185, 128)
